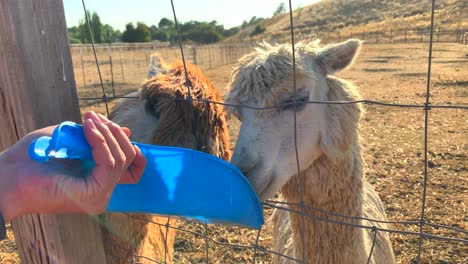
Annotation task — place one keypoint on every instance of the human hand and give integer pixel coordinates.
(27, 186)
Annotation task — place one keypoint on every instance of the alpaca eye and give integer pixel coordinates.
(300, 104)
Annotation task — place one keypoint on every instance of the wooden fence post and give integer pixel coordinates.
(111, 70)
(82, 66)
(122, 64)
(194, 50)
(210, 57)
(38, 89)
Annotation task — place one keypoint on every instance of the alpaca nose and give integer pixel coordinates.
(244, 160)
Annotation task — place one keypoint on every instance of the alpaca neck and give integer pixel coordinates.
(336, 188)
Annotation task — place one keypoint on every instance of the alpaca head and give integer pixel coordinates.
(265, 149)
(161, 115)
(194, 125)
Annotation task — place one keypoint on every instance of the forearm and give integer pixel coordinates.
(27, 188)
(8, 190)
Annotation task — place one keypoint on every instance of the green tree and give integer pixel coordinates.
(165, 23)
(96, 27)
(109, 35)
(159, 34)
(244, 24)
(74, 35)
(140, 33)
(231, 32)
(143, 32)
(280, 9)
(129, 34)
(202, 32)
(258, 30)
(101, 33)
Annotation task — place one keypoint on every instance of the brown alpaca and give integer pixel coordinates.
(161, 115)
(328, 146)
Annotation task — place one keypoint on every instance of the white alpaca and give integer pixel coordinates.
(328, 147)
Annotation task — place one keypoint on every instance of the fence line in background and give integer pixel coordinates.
(125, 64)
(401, 35)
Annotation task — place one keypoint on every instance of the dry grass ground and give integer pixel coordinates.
(393, 147)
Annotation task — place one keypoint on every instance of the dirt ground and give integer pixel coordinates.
(394, 153)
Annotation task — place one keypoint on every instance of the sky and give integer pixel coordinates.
(229, 13)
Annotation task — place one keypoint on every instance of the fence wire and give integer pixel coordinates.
(280, 205)
(426, 126)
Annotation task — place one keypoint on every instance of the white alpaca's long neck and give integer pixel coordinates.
(335, 188)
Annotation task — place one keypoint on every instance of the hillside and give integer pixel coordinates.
(359, 16)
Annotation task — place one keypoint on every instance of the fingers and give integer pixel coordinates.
(120, 158)
(94, 116)
(127, 157)
(136, 169)
(100, 150)
(121, 139)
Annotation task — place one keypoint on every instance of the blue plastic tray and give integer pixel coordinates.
(176, 182)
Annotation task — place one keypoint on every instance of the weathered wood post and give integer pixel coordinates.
(37, 89)
(194, 51)
(210, 56)
(122, 64)
(109, 51)
(82, 66)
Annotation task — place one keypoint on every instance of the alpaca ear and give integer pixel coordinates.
(337, 57)
(156, 66)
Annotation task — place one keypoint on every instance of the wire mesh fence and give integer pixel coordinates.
(125, 66)
(401, 35)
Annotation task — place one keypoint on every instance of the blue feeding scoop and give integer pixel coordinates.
(176, 181)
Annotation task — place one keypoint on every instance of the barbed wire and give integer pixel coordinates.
(286, 206)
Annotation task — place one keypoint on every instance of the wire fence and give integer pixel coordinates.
(124, 65)
(401, 35)
(214, 55)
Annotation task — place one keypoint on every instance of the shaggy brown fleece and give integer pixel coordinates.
(187, 125)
